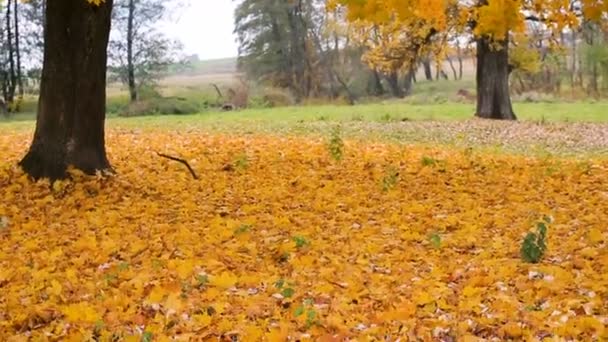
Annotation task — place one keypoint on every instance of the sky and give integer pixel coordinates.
(204, 27)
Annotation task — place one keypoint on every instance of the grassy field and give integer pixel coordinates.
(575, 129)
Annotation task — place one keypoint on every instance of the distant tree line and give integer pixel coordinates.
(138, 52)
(313, 50)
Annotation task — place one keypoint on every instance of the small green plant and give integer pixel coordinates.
(202, 280)
(390, 179)
(386, 117)
(241, 162)
(242, 229)
(322, 118)
(300, 241)
(286, 292)
(147, 337)
(428, 161)
(435, 240)
(336, 144)
(307, 309)
(534, 246)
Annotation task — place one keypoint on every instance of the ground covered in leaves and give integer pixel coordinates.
(279, 241)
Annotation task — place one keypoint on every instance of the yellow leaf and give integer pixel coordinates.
(253, 333)
(157, 295)
(202, 321)
(470, 291)
(174, 302)
(185, 268)
(595, 236)
(512, 330)
(55, 288)
(80, 312)
(224, 281)
(423, 298)
(276, 335)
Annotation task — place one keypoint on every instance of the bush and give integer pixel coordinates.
(160, 105)
(270, 97)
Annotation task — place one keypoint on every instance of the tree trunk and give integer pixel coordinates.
(12, 78)
(407, 81)
(130, 65)
(459, 55)
(18, 58)
(493, 99)
(71, 107)
(393, 82)
(376, 88)
(453, 68)
(428, 73)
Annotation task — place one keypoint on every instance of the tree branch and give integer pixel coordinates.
(181, 161)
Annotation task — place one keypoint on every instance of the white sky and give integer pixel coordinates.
(204, 27)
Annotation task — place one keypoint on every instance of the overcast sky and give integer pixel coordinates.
(205, 28)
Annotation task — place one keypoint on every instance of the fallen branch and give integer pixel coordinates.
(181, 161)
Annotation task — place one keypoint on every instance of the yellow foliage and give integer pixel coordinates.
(298, 246)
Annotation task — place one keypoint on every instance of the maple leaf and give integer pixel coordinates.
(224, 281)
(80, 312)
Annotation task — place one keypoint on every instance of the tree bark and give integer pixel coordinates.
(459, 55)
(71, 107)
(428, 73)
(375, 87)
(18, 75)
(493, 99)
(11, 58)
(393, 82)
(407, 81)
(130, 65)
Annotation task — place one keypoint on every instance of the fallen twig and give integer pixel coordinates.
(181, 161)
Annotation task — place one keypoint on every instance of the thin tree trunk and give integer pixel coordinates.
(18, 58)
(453, 68)
(428, 73)
(12, 78)
(459, 55)
(130, 65)
(493, 99)
(71, 108)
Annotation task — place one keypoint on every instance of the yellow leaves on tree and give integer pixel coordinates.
(488, 18)
(497, 18)
(300, 246)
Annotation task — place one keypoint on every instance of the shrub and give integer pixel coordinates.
(161, 105)
(534, 245)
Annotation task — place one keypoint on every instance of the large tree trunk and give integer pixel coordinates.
(375, 84)
(493, 99)
(71, 108)
(130, 64)
(393, 82)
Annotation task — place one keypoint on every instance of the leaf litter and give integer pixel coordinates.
(296, 245)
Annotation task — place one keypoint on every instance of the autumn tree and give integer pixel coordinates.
(492, 23)
(274, 44)
(138, 52)
(71, 108)
(10, 56)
